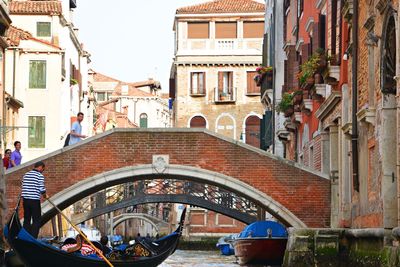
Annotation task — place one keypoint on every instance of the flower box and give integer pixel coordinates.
(298, 117)
(289, 112)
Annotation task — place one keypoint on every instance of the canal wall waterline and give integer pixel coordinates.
(343, 247)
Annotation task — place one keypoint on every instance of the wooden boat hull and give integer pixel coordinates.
(260, 250)
(35, 253)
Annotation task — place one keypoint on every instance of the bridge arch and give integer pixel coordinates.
(127, 216)
(156, 198)
(97, 182)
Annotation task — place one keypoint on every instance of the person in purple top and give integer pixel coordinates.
(16, 156)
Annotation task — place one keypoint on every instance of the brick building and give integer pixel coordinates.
(337, 122)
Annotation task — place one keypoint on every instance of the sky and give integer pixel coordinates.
(129, 40)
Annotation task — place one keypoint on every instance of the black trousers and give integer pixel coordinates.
(32, 214)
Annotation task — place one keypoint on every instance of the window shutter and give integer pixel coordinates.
(252, 87)
(230, 84)
(253, 29)
(198, 30)
(220, 81)
(191, 82)
(37, 131)
(37, 74)
(305, 52)
(202, 81)
(225, 30)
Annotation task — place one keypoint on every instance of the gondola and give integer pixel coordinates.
(36, 253)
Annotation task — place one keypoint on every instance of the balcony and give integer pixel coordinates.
(220, 47)
(225, 95)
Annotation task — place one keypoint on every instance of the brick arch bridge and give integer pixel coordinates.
(296, 196)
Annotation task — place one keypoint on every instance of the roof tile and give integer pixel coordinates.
(52, 8)
(223, 6)
(14, 35)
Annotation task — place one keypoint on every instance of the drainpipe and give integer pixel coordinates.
(14, 69)
(354, 69)
(273, 77)
(4, 101)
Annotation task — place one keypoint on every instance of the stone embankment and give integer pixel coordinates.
(343, 247)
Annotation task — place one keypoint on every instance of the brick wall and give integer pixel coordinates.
(303, 193)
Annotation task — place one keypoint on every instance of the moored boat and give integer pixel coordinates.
(36, 253)
(262, 242)
(225, 244)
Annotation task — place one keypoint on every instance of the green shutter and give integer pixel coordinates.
(36, 131)
(143, 120)
(37, 74)
(43, 29)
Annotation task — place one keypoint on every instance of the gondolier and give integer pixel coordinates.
(32, 189)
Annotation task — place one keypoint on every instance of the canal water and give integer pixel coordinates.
(188, 258)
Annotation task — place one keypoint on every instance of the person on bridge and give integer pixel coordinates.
(76, 130)
(16, 156)
(32, 188)
(6, 159)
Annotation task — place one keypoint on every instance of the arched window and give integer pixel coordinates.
(198, 122)
(143, 120)
(253, 131)
(388, 70)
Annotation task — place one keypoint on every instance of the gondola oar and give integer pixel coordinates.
(81, 233)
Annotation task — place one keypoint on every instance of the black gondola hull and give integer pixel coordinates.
(35, 253)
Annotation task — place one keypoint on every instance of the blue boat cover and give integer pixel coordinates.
(260, 229)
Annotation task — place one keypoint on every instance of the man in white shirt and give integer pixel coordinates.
(76, 130)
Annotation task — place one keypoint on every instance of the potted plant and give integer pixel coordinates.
(297, 96)
(286, 105)
(264, 73)
(308, 69)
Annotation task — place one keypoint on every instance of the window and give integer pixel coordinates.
(101, 96)
(198, 122)
(143, 120)
(197, 81)
(36, 131)
(43, 29)
(225, 80)
(253, 29)
(300, 6)
(198, 30)
(225, 30)
(252, 87)
(37, 74)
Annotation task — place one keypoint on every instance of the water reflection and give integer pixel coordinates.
(186, 258)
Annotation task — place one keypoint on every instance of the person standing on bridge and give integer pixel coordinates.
(16, 156)
(76, 130)
(32, 188)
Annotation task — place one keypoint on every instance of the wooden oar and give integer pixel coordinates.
(81, 233)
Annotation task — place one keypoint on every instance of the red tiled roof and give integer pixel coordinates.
(132, 91)
(223, 6)
(98, 77)
(14, 35)
(35, 8)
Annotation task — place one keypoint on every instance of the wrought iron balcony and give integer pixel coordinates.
(224, 95)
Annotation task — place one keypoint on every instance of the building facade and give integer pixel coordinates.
(339, 102)
(126, 105)
(218, 46)
(217, 49)
(45, 62)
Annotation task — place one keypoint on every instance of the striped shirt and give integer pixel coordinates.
(85, 249)
(33, 185)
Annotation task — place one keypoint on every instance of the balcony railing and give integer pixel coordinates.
(220, 46)
(225, 95)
